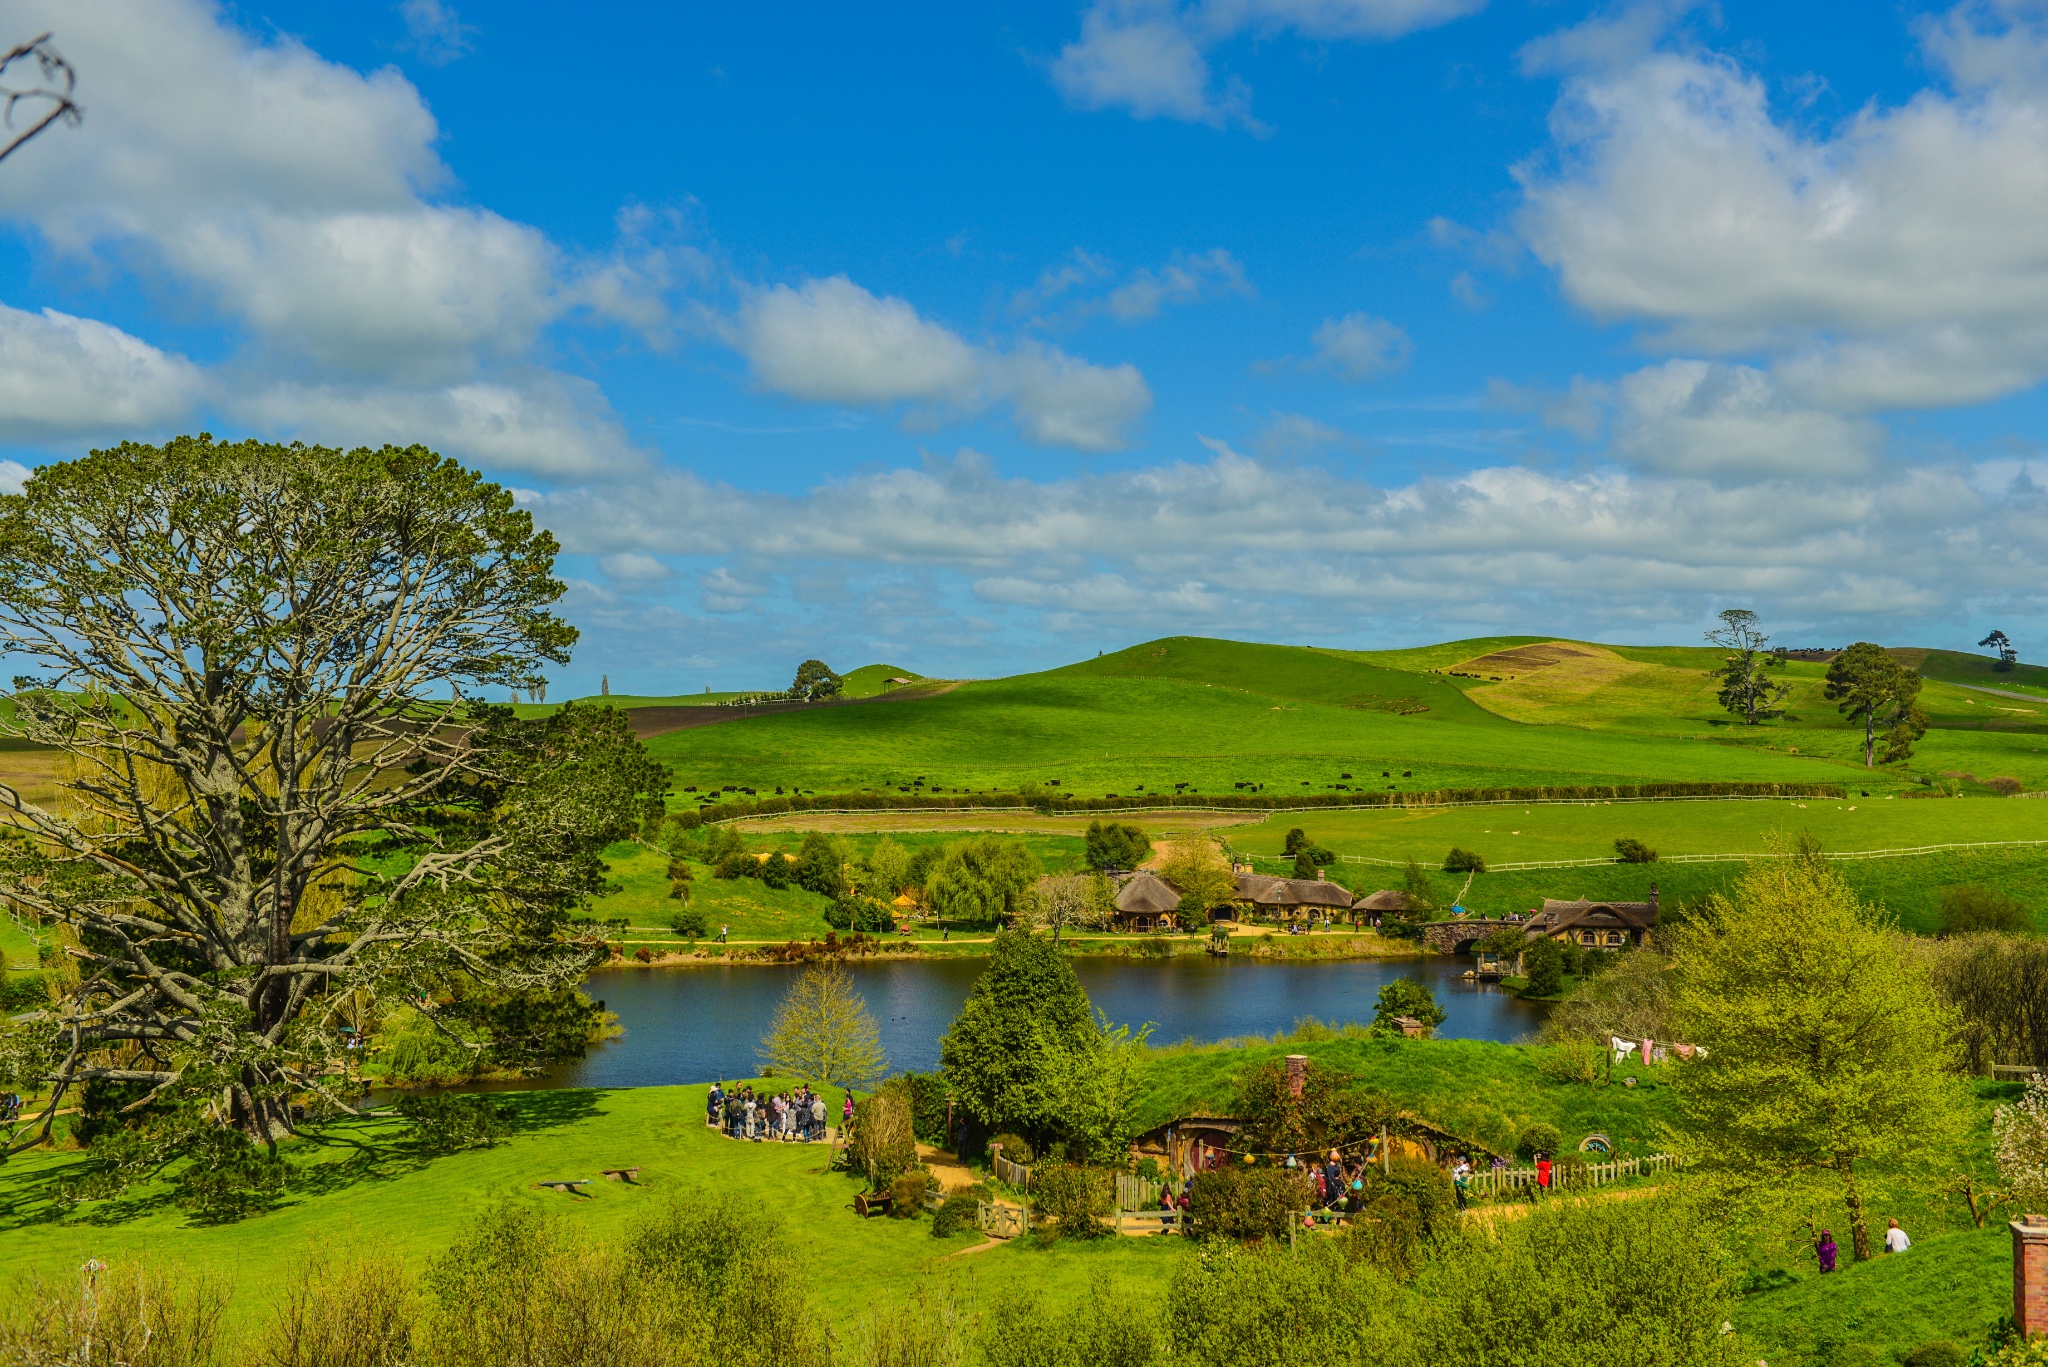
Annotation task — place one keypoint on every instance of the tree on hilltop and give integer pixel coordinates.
(2007, 656)
(815, 682)
(1116, 845)
(1747, 689)
(1867, 682)
(278, 803)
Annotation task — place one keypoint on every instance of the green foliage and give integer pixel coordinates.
(1196, 866)
(1117, 845)
(1747, 689)
(225, 1177)
(815, 682)
(1248, 1203)
(1109, 1324)
(1936, 1353)
(1539, 1138)
(445, 1122)
(23, 992)
(1422, 898)
(1463, 861)
(881, 1144)
(1409, 997)
(823, 1032)
(860, 913)
(1406, 1209)
(1332, 1110)
(1015, 1147)
(907, 1193)
(1543, 963)
(1576, 1060)
(1966, 910)
(690, 923)
(1009, 1053)
(1629, 850)
(960, 1210)
(1866, 682)
(821, 864)
(1827, 1047)
(985, 880)
(1072, 1198)
(418, 1054)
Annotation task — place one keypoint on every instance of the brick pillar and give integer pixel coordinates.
(2030, 1275)
(1297, 1077)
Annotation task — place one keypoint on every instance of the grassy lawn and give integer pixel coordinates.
(362, 1184)
(1516, 834)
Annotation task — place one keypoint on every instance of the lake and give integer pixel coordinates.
(697, 1024)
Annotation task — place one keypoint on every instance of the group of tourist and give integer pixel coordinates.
(1895, 1241)
(793, 1117)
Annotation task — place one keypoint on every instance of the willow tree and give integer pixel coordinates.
(278, 801)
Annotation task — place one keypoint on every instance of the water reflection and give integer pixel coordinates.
(695, 1024)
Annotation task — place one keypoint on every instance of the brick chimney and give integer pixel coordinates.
(2030, 1275)
(1297, 1078)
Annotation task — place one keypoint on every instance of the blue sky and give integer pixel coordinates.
(978, 338)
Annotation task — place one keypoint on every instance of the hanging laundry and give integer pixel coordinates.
(1622, 1047)
(1685, 1051)
(1648, 1047)
(1662, 1053)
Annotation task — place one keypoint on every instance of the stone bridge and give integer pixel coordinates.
(1456, 937)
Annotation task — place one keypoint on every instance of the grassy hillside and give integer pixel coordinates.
(869, 680)
(1207, 714)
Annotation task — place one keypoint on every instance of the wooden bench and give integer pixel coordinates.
(873, 1203)
(573, 1185)
(626, 1175)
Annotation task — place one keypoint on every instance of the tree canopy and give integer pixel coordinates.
(1116, 845)
(1747, 689)
(1011, 1052)
(815, 682)
(1866, 682)
(258, 662)
(1827, 1052)
(986, 879)
(1196, 868)
(823, 1032)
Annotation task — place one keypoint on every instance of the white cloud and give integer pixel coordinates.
(1898, 260)
(549, 424)
(438, 35)
(634, 567)
(62, 376)
(287, 190)
(831, 341)
(1207, 546)
(1150, 56)
(1185, 278)
(1360, 347)
(1719, 421)
(13, 474)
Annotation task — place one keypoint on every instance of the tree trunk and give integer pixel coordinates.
(1859, 1232)
(1869, 727)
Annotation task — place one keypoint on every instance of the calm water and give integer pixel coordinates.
(696, 1024)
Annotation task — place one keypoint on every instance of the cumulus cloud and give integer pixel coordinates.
(1150, 56)
(1186, 278)
(550, 424)
(831, 341)
(1899, 259)
(1719, 421)
(289, 191)
(1361, 347)
(62, 376)
(634, 567)
(1205, 545)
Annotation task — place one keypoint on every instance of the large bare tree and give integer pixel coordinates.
(278, 799)
(37, 105)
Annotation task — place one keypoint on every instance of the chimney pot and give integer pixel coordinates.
(1297, 1073)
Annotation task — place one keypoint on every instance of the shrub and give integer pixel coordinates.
(861, 913)
(1543, 961)
(1629, 850)
(821, 864)
(1117, 845)
(1966, 908)
(679, 880)
(1541, 1137)
(1072, 1198)
(134, 1315)
(1408, 997)
(690, 924)
(22, 992)
(1148, 1169)
(443, 1122)
(907, 1193)
(960, 1210)
(1427, 1188)
(1463, 861)
(1935, 1353)
(1247, 1203)
(1297, 841)
(735, 864)
(1387, 1232)
(1015, 1148)
(2005, 785)
(774, 871)
(881, 1145)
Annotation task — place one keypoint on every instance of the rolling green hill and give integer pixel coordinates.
(1224, 716)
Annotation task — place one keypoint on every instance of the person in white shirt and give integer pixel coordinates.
(1895, 1240)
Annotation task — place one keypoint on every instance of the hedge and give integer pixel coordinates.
(737, 808)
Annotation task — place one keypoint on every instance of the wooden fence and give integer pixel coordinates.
(1136, 1193)
(1002, 1222)
(1014, 1174)
(1500, 1181)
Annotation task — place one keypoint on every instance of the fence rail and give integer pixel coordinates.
(1002, 1222)
(1136, 1193)
(1015, 1174)
(1501, 1181)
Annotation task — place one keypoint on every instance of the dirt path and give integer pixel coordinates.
(946, 1166)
